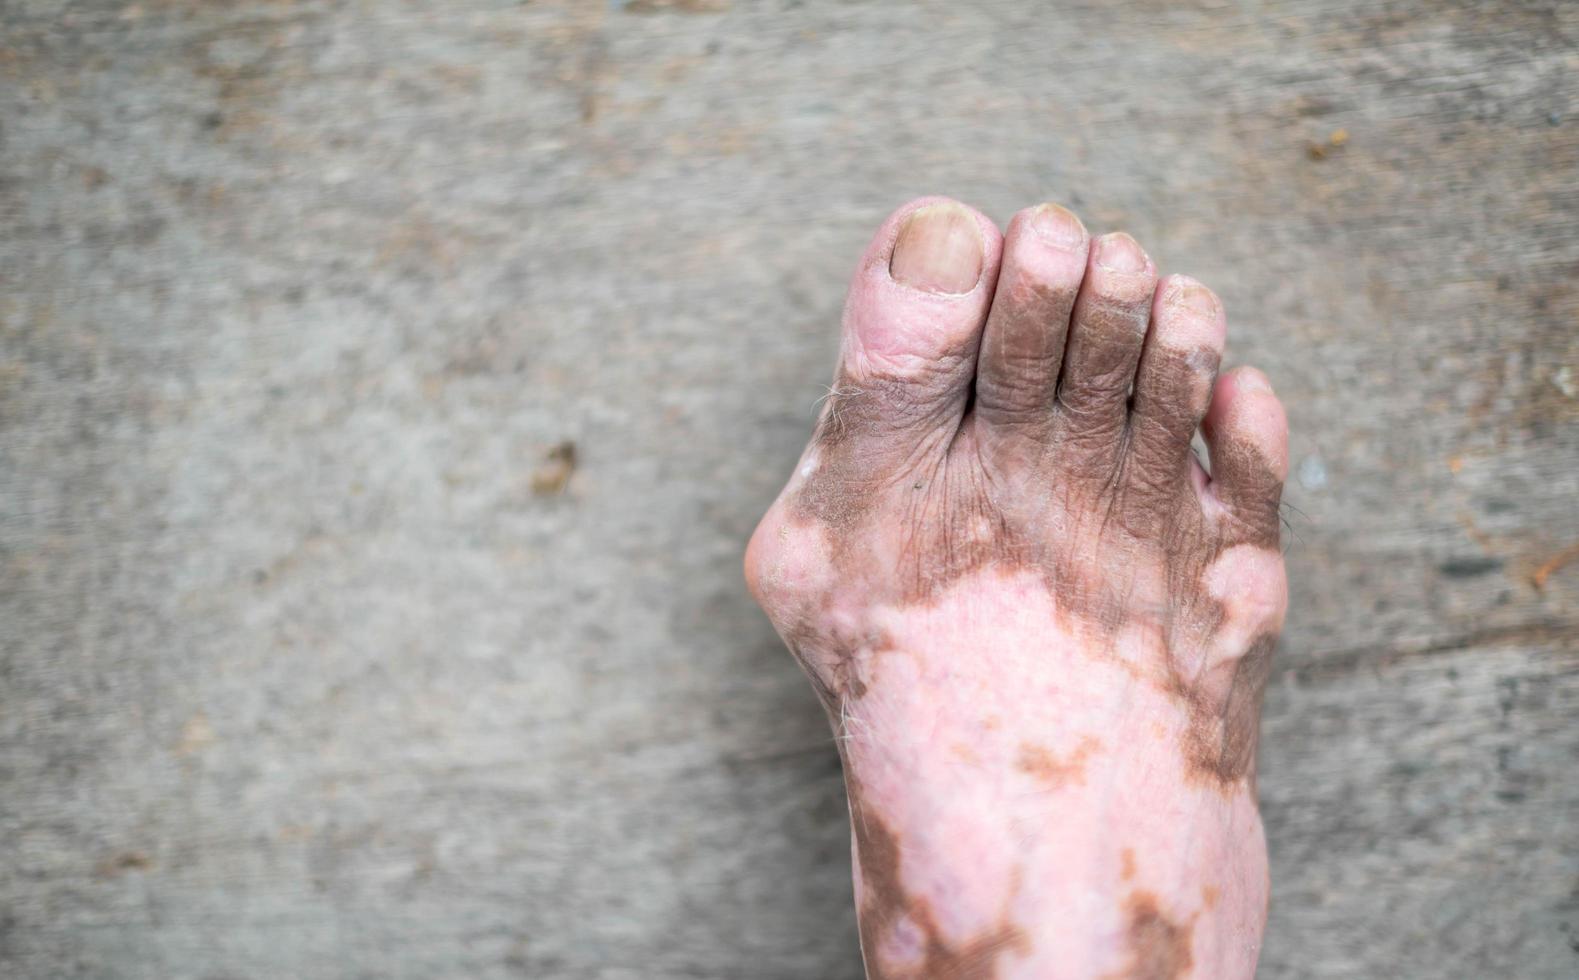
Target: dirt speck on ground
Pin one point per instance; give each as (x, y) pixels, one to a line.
(1334, 142)
(116, 865)
(554, 473)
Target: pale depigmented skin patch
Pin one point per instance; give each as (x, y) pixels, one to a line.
(900, 929)
(987, 823)
(1250, 586)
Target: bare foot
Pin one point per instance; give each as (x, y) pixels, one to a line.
(1040, 628)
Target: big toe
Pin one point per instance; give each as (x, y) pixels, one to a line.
(1247, 436)
(913, 320)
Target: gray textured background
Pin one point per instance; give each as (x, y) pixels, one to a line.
(302, 676)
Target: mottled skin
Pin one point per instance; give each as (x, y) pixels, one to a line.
(887, 903)
(1040, 628)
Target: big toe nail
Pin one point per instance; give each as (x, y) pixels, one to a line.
(939, 250)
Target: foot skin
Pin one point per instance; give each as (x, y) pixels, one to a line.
(1040, 629)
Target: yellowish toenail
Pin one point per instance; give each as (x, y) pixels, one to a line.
(1196, 298)
(1058, 226)
(939, 250)
(1120, 253)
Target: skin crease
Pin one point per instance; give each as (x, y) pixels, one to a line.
(1040, 630)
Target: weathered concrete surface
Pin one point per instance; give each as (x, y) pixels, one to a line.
(301, 677)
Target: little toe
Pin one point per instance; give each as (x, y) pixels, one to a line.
(1105, 336)
(1247, 436)
(1022, 348)
(1173, 385)
(913, 320)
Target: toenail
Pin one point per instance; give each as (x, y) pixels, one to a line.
(1194, 297)
(1120, 253)
(1253, 380)
(1058, 226)
(939, 250)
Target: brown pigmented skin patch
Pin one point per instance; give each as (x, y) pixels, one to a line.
(1160, 949)
(1053, 770)
(840, 678)
(860, 477)
(1220, 747)
(1236, 757)
(885, 904)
